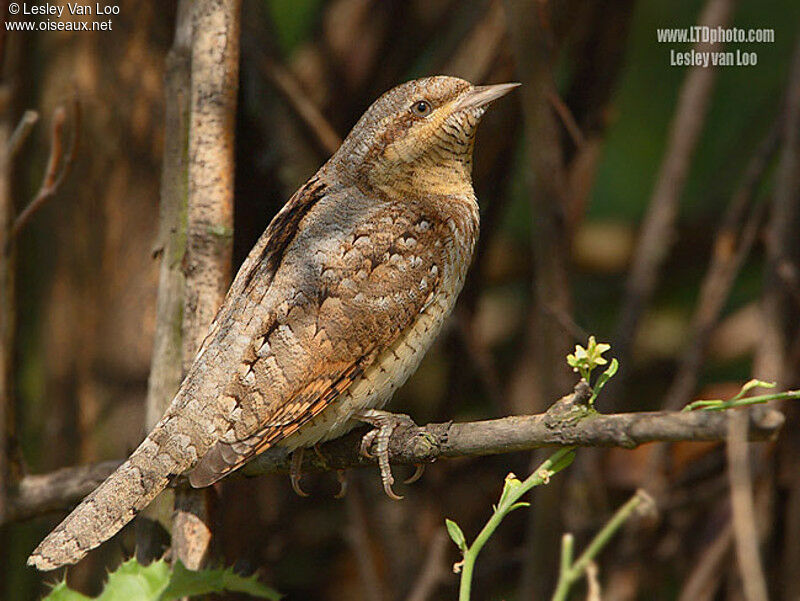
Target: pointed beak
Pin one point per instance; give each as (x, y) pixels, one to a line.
(480, 96)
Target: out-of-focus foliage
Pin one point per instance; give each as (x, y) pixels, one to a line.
(294, 20)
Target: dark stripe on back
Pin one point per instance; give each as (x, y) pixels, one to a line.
(283, 228)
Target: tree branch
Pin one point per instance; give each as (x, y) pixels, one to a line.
(569, 422)
(59, 166)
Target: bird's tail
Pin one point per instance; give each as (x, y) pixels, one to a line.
(117, 500)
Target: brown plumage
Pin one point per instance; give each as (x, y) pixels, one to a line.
(331, 312)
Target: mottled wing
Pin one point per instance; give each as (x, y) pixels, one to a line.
(355, 278)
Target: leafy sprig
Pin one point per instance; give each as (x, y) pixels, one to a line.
(585, 360)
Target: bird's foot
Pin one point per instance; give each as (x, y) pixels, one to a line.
(375, 443)
(295, 471)
(341, 476)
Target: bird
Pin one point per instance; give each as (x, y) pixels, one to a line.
(330, 313)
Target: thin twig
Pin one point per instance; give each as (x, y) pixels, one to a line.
(359, 539)
(656, 236)
(316, 122)
(743, 508)
(434, 568)
(532, 41)
(58, 166)
(21, 133)
(706, 572)
(509, 501)
(567, 118)
(569, 571)
(731, 247)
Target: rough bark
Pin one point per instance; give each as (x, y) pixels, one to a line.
(209, 222)
(166, 369)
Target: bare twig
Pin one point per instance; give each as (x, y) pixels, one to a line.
(209, 219)
(731, 247)
(434, 568)
(298, 100)
(782, 243)
(359, 539)
(474, 57)
(743, 509)
(59, 166)
(532, 43)
(593, 592)
(707, 571)
(567, 119)
(21, 133)
(566, 423)
(656, 236)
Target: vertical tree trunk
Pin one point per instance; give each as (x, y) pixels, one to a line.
(166, 368)
(209, 224)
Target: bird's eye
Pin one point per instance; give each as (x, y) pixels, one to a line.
(421, 108)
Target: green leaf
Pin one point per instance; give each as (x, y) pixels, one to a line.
(518, 505)
(509, 484)
(132, 581)
(61, 592)
(456, 534)
(189, 583)
(603, 379)
(753, 384)
(562, 462)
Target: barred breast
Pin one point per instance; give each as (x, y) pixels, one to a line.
(393, 366)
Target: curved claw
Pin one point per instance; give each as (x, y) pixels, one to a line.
(375, 444)
(295, 472)
(341, 476)
(418, 471)
(387, 488)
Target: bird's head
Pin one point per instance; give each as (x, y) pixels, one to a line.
(419, 136)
